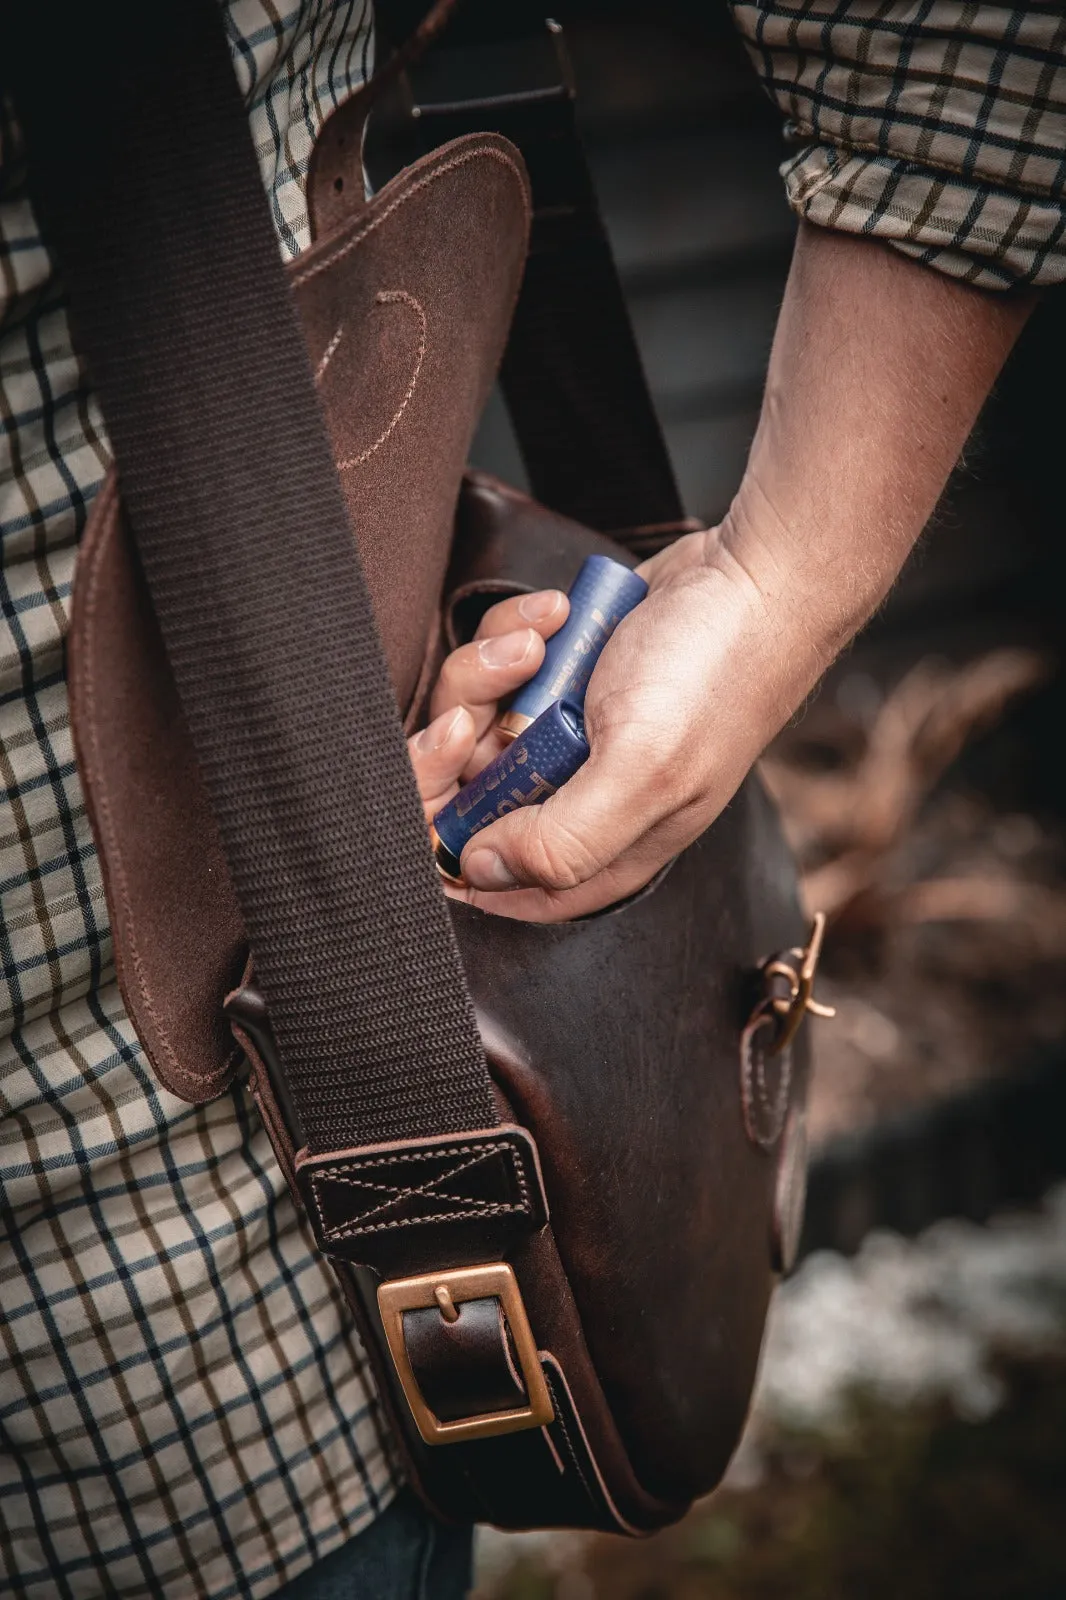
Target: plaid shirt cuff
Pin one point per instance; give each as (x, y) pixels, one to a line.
(937, 126)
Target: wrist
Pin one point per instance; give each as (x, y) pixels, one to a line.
(758, 655)
(820, 569)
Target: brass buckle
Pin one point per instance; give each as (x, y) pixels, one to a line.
(791, 1009)
(446, 1290)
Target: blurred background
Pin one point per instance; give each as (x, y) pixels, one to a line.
(909, 1432)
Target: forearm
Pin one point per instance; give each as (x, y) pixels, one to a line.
(878, 372)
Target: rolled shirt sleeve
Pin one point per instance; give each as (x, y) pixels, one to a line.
(937, 127)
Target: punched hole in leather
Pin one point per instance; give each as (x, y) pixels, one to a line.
(465, 1367)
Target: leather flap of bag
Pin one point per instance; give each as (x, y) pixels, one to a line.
(406, 310)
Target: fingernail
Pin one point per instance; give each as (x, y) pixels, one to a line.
(508, 650)
(483, 869)
(436, 736)
(539, 607)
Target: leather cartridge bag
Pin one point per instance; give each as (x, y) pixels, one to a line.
(555, 1168)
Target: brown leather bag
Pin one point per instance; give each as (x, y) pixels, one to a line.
(561, 1284)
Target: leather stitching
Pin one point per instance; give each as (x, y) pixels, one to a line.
(410, 193)
(473, 1207)
(396, 1194)
(213, 1082)
(328, 353)
(764, 1112)
(388, 297)
(571, 1452)
(470, 1206)
(330, 1234)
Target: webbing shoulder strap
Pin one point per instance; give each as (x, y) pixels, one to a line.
(144, 173)
(572, 376)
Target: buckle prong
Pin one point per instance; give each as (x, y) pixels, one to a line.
(442, 1295)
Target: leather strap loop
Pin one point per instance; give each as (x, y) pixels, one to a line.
(414, 1206)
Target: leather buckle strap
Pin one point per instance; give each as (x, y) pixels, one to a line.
(447, 1292)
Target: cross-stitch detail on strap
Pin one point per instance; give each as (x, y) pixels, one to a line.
(483, 1185)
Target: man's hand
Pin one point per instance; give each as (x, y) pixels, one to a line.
(681, 703)
(878, 371)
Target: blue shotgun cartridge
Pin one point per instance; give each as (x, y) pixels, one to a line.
(603, 592)
(532, 767)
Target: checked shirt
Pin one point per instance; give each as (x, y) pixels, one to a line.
(936, 126)
(183, 1409)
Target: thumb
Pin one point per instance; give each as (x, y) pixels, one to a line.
(572, 836)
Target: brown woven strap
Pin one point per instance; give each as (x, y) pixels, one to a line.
(143, 170)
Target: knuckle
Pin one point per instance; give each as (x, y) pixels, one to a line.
(456, 680)
(455, 665)
(671, 789)
(555, 857)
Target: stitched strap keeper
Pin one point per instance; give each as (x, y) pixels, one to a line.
(404, 1207)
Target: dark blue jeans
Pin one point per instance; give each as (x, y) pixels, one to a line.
(404, 1555)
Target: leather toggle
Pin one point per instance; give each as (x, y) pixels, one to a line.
(399, 1207)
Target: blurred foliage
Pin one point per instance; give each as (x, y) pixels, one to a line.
(921, 1504)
